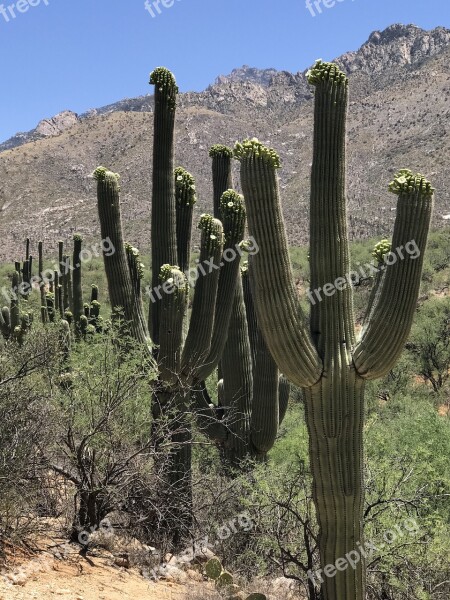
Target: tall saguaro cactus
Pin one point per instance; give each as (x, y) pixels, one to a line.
(163, 196)
(325, 358)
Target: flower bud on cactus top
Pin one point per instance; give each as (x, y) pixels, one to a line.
(133, 256)
(184, 187)
(231, 202)
(325, 71)
(407, 182)
(233, 215)
(212, 236)
(220, 150)
(102, 173)
(172, 274)
(254, 149)
(77, 238)
(381, 249)
(164, 80)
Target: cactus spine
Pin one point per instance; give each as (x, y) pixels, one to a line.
(327, 360)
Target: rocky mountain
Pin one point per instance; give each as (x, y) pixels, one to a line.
(398, 116)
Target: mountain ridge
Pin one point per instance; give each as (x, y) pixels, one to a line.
(398, 117)
(418, 44)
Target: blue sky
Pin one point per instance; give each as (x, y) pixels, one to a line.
(81, 54)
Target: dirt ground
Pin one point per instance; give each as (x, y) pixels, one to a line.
(73, 577)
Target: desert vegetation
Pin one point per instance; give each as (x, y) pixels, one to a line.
(222, 408)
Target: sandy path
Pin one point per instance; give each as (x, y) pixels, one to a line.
(74, 578)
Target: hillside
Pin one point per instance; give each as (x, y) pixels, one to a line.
(400, 89)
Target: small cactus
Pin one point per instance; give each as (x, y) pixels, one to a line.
(213, 568)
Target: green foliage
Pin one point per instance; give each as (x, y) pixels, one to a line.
(430, 342)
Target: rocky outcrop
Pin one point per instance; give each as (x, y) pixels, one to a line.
(396, 46)
(57, 124)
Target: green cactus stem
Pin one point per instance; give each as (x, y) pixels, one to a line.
(267, 412)
(327, 361)
(65, 343)
(199, 337)
(94, 293)
(136, 270)
(393, 310)
(221, 173)
(213, 568)
(122, 290)
(233, 218)
(77, 290)
(173, 310)
(237, 383)
(260, 163)
(163, 228)
(58, 293)
(41, 284)
(50, 304)
(186, 198)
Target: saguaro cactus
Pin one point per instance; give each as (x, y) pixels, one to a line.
(77, 289)
(180, 364)
(14, 323)
(163, 197)
(253, 397)
(326, 359)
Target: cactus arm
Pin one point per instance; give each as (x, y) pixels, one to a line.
(198, 340)
(379, 253)
(284, 392)
(250, 311)
(76, 280)
(163, 228)
(279, 313)
(389, 323)
(136, 270)
(265, 407)
(5, 322)
(116, 264)
(233, 218)
(15, 301)
(62, 277)
(41, 283)
(265, 413)
(58, 293)
(185, 200)
(94, 293)
(221, 174)
(69, 286)
(332, 318)
(60, 301)
(173, 309)
(50, 303)
(237, 372)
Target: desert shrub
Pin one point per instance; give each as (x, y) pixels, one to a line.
(25, 390)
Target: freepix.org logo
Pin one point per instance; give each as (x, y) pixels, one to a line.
(154, 7)
(13, 10)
